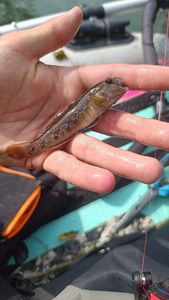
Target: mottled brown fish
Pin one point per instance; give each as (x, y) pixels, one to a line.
(82, 113)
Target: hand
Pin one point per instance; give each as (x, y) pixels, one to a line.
(32, 92)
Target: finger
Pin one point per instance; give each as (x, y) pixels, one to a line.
(118, 161)
(142, 77)
(71, 170)
(147, 131)
(53, 34)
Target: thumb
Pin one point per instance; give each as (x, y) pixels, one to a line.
(53, 34)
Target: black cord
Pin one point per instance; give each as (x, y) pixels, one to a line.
(149, 16)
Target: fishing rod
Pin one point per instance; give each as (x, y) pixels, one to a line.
(105, 10)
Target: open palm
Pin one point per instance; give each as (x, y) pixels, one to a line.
(32, 93)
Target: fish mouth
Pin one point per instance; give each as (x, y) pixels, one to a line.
(118, 83)
(121, 92)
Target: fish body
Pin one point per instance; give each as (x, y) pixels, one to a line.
(81, 114)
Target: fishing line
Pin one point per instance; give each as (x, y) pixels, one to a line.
(147, 294)
(159, 118)
(164, 63)
(144, 251)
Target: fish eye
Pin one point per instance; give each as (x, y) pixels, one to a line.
(109, 80)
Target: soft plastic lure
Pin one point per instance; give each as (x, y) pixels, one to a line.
(82, 113)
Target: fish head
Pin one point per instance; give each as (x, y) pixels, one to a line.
(109, 92)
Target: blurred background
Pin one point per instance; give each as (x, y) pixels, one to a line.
(18, 10)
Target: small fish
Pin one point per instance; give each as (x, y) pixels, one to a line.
(81, 114)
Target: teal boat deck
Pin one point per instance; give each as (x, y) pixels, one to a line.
(96, 213)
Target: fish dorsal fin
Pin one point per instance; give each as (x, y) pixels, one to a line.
(51, 123)
(56, 118)
(62, 113)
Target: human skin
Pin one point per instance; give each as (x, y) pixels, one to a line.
(32, 92)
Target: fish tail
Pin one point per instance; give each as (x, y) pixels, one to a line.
(18, 151)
